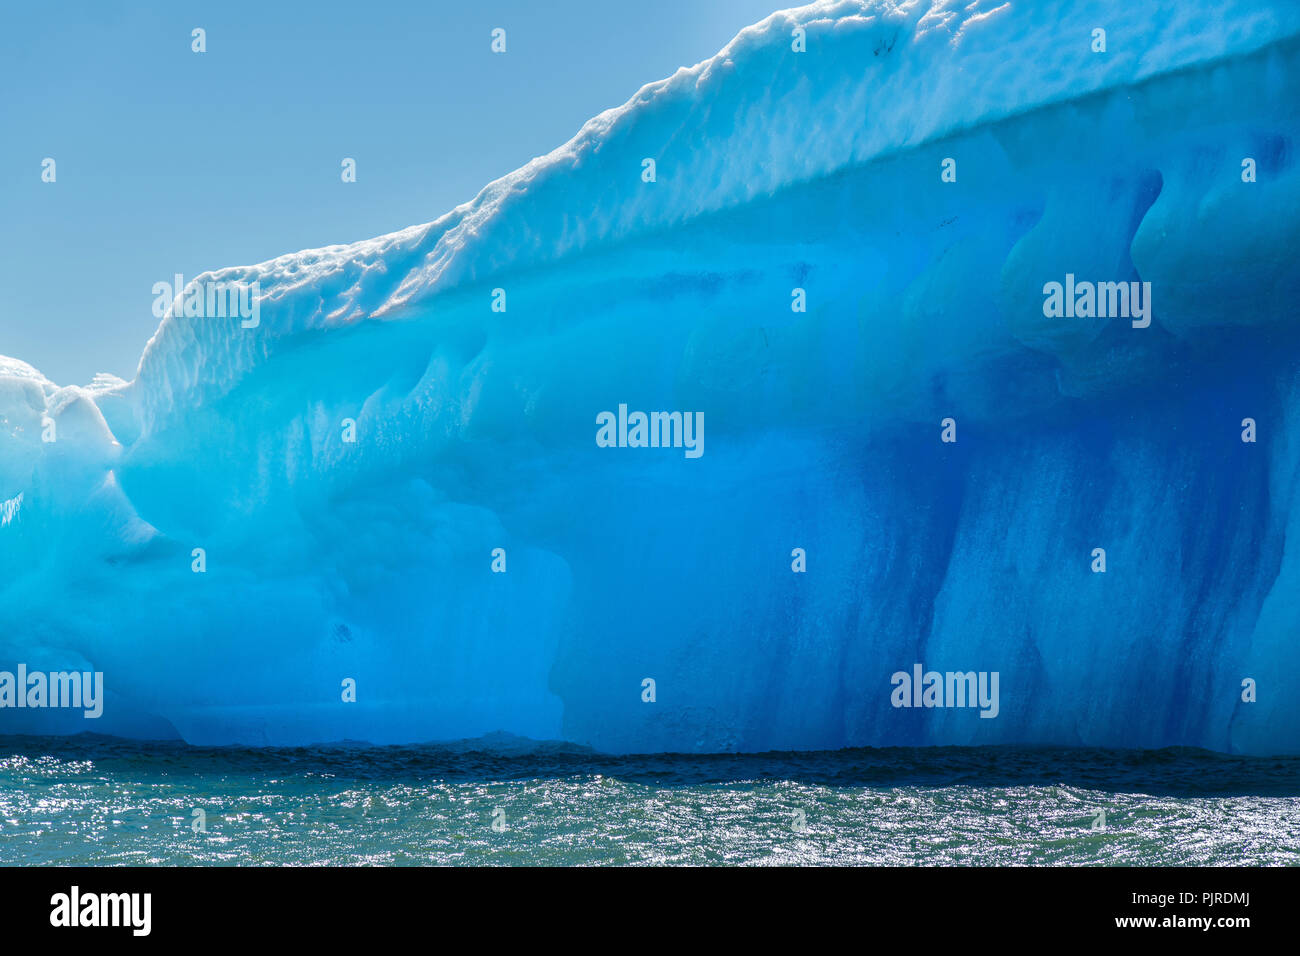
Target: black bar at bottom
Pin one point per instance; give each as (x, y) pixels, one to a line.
(332, 905)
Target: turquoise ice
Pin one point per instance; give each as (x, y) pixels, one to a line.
(803, 166)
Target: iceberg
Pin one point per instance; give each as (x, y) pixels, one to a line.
(839, 252)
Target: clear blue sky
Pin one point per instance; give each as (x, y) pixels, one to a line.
(171, 161)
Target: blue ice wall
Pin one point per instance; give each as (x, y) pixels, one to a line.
(372, 560)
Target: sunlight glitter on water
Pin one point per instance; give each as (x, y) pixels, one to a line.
(113, 803)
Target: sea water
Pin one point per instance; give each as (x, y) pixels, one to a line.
(105, 801)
